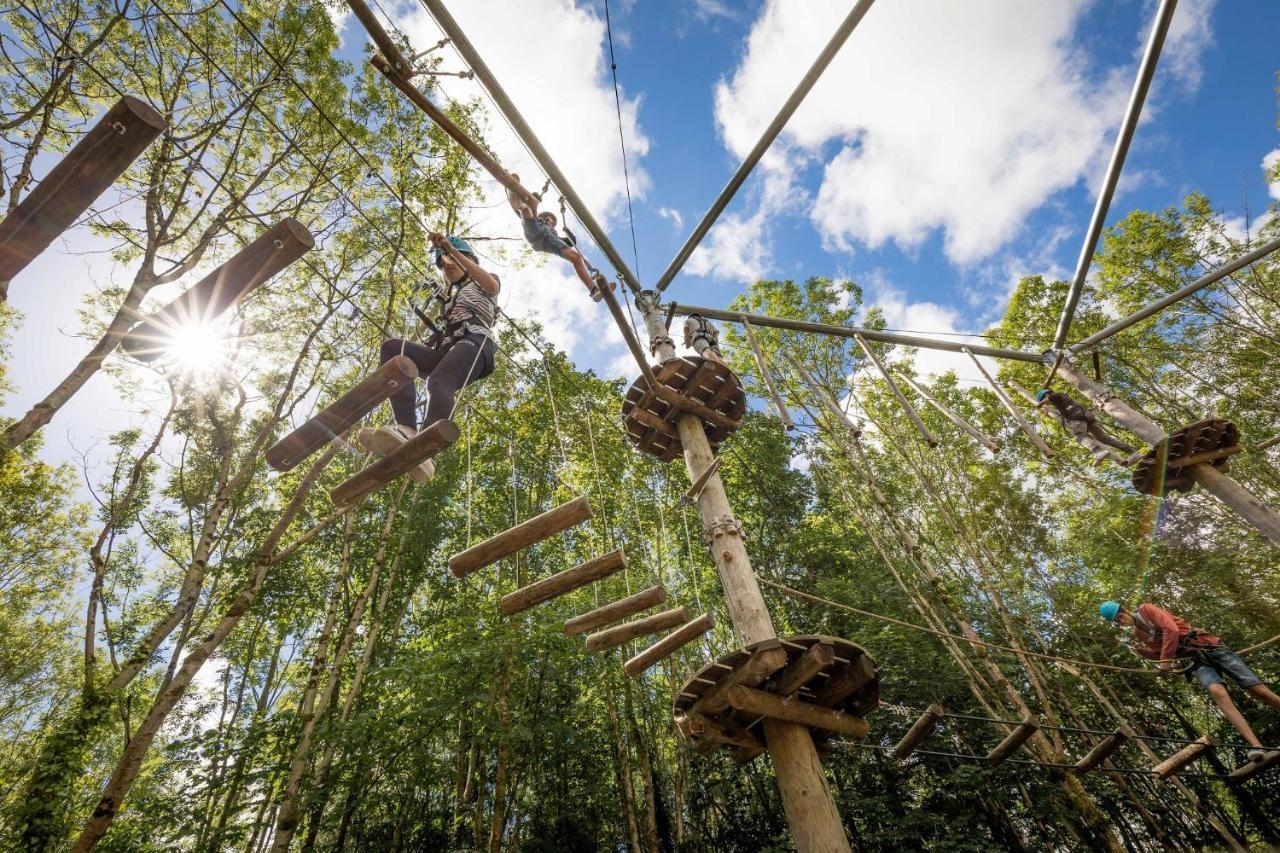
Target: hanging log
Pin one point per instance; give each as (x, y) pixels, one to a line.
(1010, 408)
(341, 414)
(764, 660)
(796, 674)
(975, 433)
(792, 710)
(1252, 768)
(919, 731)
(695, 489)
(1267, 443)
(858, 673)
(84, 173)
(767, 376)
(1105, 748)
(615, 610)
(521, 536)
(563, 582)
(611, 637)
(1007, 747)
(273, 250)
(425, 445)
(713, 733)
(1183, 757)
(667, 645)
(929, 437)
(822, 395)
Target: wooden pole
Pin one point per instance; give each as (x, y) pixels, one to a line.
(806, 798)
(1105, 748)
(792, 710)
(83, 174)
(616, 610)
(272, 251)
(563, 582)
(1266, 443)
(1010, 408)
(1231, 493)
(955, 417)
(625, 633)
(521, 536)
(422, 446)
(929, 437)
(1183, 757)
(767, 376)
(1251, 768)
(696, 725)
(919, 732)
(1007, 747)
(822, 395)
(797, 673)
(667, 645)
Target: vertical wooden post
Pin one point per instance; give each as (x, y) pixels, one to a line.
(94, 164)
(1231, 493)
(806, 798)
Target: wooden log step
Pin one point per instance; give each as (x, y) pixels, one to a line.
(1252, 768)
(844, 683)
(1183, 757)
(667, 645)
(714, 734)
(796, 674)
(1105, 748)
(792, 710)
(521, 536)
(1007, 747)
(764, 661)
(615, 610)
(1204, 456)
(341, 414)
(919, 731)
(563, 582)
(611, 637)
(425, 445)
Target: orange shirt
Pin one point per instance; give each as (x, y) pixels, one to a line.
(1156, 633)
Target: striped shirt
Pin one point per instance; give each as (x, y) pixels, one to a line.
(470, 304)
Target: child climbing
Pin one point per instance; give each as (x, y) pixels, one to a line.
(1083, 424)
(1160, 636)
(540, 231)
(458, 354)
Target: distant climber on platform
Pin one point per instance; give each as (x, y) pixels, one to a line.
(540, 232)
(1083, 424)
(1160, 636)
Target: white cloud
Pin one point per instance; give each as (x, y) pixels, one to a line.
(677, 219)
(954, 117)
(738, 246)
(1190, 36)
(1271, 172)
(706, 10)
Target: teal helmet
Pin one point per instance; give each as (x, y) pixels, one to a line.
(1041, 394)
(461, 245)
(1109, 610)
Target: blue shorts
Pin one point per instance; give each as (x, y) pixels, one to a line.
(543, 237)
(1224, 662)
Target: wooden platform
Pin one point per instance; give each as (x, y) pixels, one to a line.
(686, 386)
(820, 674)
(1210, 442)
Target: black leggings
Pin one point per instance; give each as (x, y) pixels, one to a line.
(446, 373)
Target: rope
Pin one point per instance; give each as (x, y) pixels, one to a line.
(626, 174)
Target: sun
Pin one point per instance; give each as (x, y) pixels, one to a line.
(199, 350)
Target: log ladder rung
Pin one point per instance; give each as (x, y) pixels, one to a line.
(1106, 748)
(1007, 747)
(416, 450)
(919, 731)
(611, 637)
(521, 536)
(615, 610)
(1252, 768)
(1180, 759)
(563, 582)
(667, 646)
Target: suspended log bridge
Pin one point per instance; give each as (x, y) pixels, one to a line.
(919, 731)
(563, 582)
(615, 610)
(1106, 748)
(827, 401)
(825, 683)
(696, 386)
(273, 250)
(425, 445)
(667, 646)
(953, 416)
(629, 631)
(767, 376)
(341, 414)
(1164, 468)
(84, 173)
(1011, 744)
(524, 534)
(1017, 416)
(1252, 768)
(1180, 759)
(929, 438)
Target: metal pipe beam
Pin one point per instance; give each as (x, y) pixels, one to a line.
(771, 132)
(1147, 69)
(853, 331)
(526, 134)
(1176, 296)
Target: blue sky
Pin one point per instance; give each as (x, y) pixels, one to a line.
(950, 149)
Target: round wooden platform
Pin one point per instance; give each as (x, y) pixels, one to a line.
(693, 385)
(841, 677)
(1164, 468)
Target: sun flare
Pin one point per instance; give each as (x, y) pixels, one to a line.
(199, 349)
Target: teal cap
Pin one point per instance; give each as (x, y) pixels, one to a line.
(1041, 394)
(1109, 610)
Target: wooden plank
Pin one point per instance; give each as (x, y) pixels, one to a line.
(563, 582)
(521, 536)
(425, 445)
(845, 682)
(755, 669)
(792, 710)
(616, 610)
(611, 637)
(85, 172)
(1252, 768)
(1104, 749)
(272, 251)
(699, 484)
(1183, 757)
(653, 422)
(796, 674)
(1204, 456)
(1016, 738)
(341, 414)
(667, 645)
(919, 731)
(692, 406)
(822, 395)
(697, 726)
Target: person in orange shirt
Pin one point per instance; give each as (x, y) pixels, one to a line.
(1160, 636)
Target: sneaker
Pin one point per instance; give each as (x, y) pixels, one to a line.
(517, 201)
(1257, 754)
(386, 440)
(597, 292)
